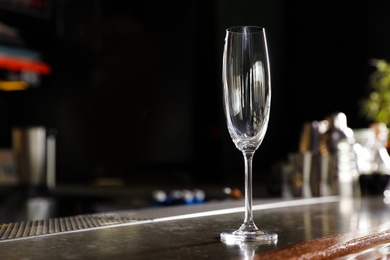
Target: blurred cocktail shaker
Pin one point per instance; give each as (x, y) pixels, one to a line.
(339, 169)
(29, 147)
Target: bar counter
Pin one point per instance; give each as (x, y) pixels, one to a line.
(192, 232)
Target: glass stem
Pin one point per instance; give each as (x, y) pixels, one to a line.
(249, 224)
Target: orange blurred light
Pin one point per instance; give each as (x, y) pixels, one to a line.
(13, 85)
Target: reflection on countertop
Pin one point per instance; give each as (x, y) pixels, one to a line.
(28, 203)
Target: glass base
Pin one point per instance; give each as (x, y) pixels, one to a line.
(239, 236)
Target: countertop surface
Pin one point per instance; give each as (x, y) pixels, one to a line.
(192, 232)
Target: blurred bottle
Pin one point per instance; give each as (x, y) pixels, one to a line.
(376, 179)
(301, 175)
(314, 131)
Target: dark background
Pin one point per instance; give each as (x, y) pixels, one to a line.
(135, 91)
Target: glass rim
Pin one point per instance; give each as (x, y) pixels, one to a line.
(245, 29)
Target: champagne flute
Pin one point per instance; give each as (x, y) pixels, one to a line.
(246, 101)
